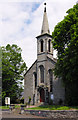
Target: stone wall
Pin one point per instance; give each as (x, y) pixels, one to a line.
(29, 84)
(58, 88)
(71, 114)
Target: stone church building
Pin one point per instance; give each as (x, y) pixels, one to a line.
(39, 81)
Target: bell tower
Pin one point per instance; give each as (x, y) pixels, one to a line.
(44, 50)
(44, 44)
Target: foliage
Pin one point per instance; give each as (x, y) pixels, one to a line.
(0, 76)
(13, 68)
(22, 100)
(65, 41)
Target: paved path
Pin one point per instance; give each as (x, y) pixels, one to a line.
(7, 115)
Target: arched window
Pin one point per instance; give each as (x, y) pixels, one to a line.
(49, 45)
(41, 74)
(41, 45)
(51, 80)
(35, 79)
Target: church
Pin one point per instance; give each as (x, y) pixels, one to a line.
(40, 84)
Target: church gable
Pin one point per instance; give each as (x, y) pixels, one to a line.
(30, 69)
(29, 81)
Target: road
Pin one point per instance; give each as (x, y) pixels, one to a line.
(7, 115)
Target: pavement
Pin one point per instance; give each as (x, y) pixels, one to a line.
(9, 115)
(13, 115)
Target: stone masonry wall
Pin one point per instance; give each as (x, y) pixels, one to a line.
(28, 84)
(58, 88)
(59, 114)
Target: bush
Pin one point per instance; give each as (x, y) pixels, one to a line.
(22, 100)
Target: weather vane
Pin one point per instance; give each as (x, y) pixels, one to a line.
(45, 7)
(44, 3)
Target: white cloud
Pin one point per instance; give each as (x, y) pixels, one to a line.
(4, 1)
(12, 20)
(19, 25)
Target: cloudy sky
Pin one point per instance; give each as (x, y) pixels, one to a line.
(21, 21)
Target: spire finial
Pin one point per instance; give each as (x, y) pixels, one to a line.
(45, 25)
(45, 7)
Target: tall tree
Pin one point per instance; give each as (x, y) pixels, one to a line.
(0, 76)
(13, 68)
(65, 41)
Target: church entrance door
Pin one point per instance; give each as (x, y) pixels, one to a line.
(42, 95)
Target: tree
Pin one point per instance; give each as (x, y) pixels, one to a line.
(13, 68)
(0, 76)
(65, 41)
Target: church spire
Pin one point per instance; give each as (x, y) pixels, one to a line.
(45, 25)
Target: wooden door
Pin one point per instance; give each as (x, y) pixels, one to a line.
(42, 95)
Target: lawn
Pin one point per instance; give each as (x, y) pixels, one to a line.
(4, 107)
(7, 107)
(54, 107)
(46, 107)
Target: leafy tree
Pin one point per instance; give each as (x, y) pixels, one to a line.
(0, 75)
(65, 41)
(13, 68)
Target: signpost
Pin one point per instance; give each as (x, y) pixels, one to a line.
(7, 101)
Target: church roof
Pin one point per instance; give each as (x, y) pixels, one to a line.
(43, 35)
(45, 25)
(52, 59)
(31, 67)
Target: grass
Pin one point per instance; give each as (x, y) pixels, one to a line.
(53, 107)
(46, 107)
(4, 107)
(7, 107)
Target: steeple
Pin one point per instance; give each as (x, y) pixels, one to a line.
(45, 25)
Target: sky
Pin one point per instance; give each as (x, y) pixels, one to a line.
(21, 22)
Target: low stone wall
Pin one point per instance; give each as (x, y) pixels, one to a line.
(54, 113)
